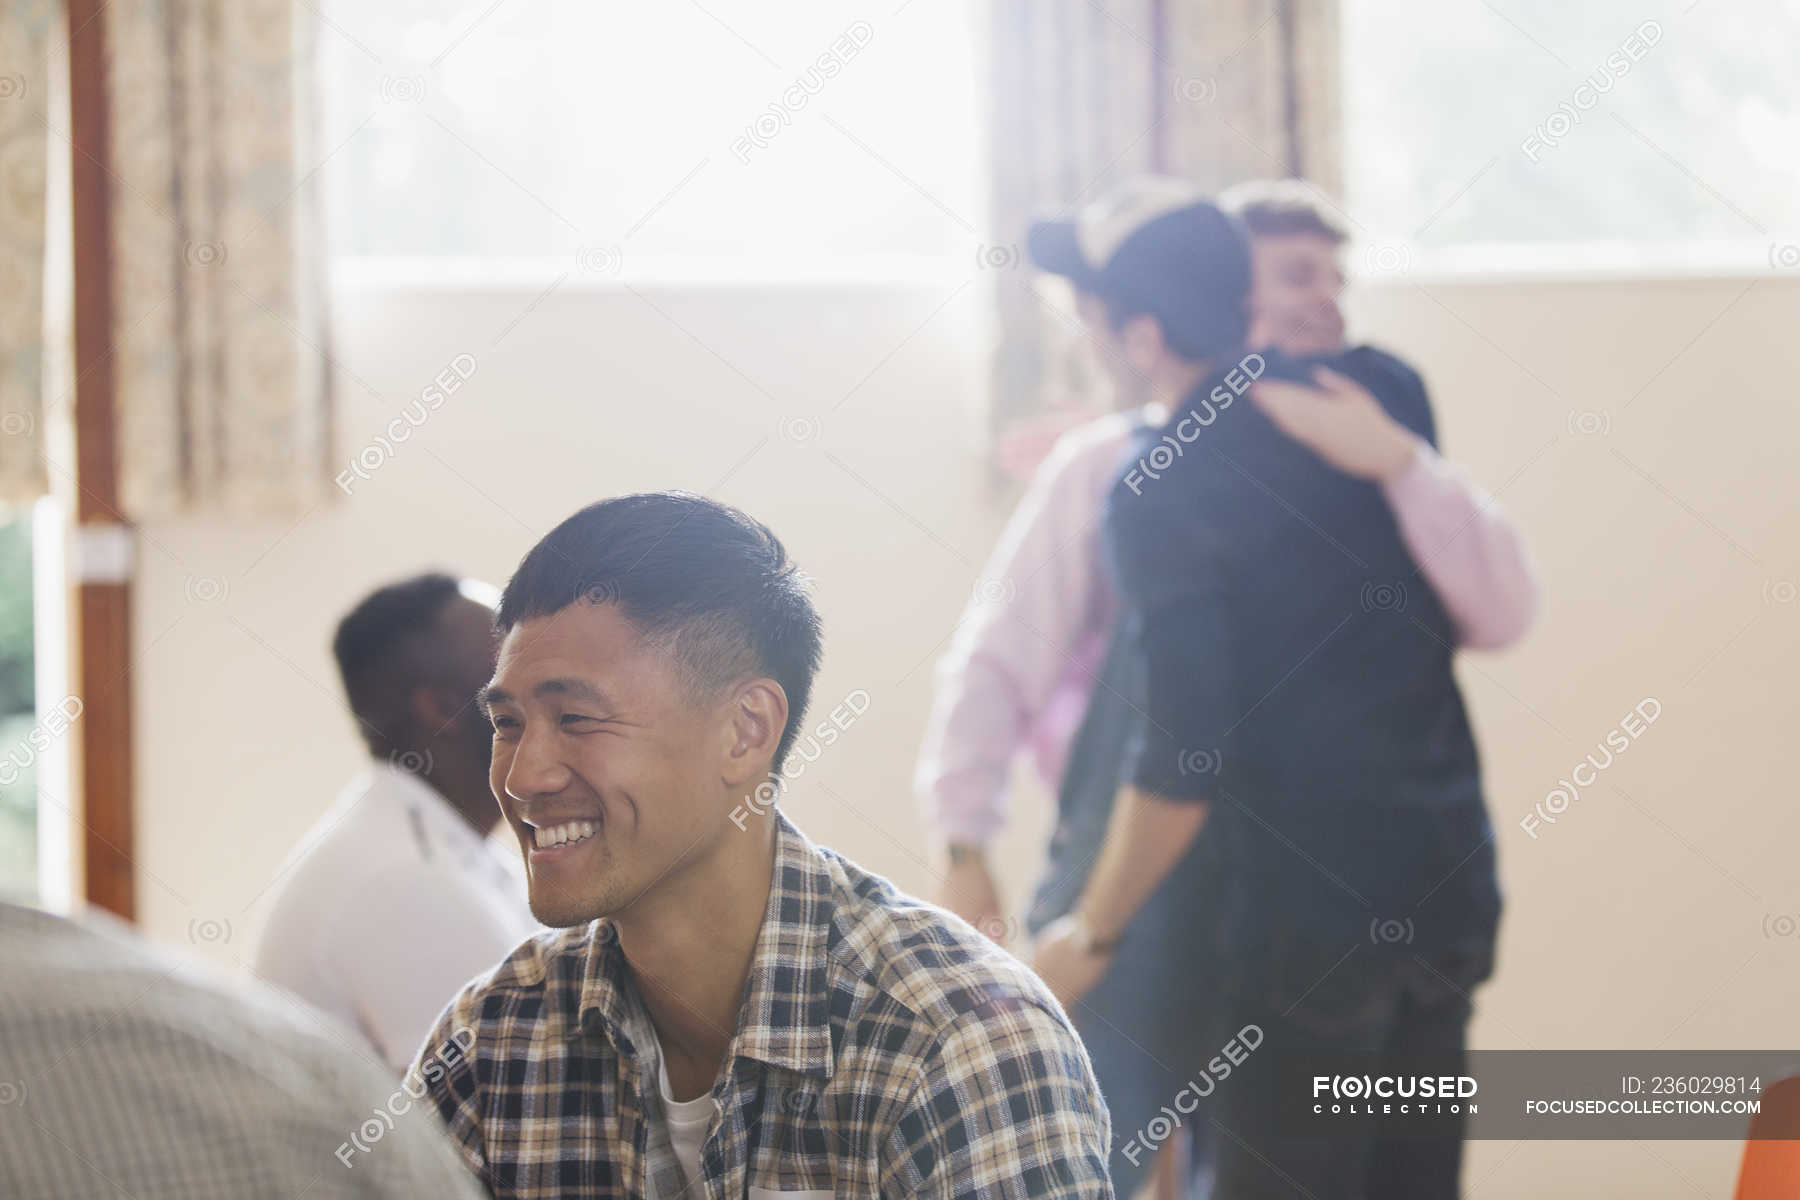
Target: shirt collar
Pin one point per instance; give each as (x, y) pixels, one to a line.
(442, 822)
(785, 1019)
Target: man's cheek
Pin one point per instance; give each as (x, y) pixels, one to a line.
(499, 763)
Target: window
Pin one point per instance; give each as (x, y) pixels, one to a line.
(631, 139)
(1606, 133)
(18, 712)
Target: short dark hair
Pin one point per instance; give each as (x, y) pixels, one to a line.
(1182, 338)
(712, 586)
(1283, 207)
(382, 654)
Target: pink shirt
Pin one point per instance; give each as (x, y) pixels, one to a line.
(1019, 673)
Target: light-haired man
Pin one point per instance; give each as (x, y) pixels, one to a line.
(1021, 673)
(1288, 688)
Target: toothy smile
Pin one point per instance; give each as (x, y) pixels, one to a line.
(550, 836)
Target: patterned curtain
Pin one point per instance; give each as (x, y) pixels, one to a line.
(221, 357)
(1085, 92)
(25, 29)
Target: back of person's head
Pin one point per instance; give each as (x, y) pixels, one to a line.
(385, 648)
(1160, 247)
(126, 1071)
(710, 587)
(1283, 208)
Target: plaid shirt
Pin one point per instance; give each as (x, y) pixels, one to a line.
(884, 1048)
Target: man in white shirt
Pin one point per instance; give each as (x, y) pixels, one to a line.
(396, 898)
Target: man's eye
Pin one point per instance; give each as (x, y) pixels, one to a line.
(503, 723)
(571, 719)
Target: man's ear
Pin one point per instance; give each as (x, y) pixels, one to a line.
(437, 710)
(755, 722)
(432, 711)
(1141, 339)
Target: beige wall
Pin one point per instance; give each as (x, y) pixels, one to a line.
(847, 417)
(1667, 544)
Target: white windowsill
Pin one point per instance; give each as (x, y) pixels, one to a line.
(1378, 264)
(608, 273)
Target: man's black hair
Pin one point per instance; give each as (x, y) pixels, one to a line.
(383, 652)
(1203, 315)
(713, 587)
(1181, 338)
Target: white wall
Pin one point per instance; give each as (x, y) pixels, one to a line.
(1638, 920)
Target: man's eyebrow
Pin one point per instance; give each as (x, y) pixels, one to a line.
(580, 689)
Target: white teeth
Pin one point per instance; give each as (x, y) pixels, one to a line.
(559, 835)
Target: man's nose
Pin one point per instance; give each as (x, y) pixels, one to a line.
(536, 768)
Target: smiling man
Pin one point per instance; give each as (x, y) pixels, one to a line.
(727, 1009)
(1296, 247)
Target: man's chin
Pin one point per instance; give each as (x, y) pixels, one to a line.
(559, 910)
(557, 918)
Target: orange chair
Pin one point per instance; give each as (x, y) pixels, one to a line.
(1771, 1168)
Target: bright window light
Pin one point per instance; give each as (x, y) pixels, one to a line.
(633, 139)
(1606, 133)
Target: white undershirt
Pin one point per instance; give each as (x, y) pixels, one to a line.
(688, 1121)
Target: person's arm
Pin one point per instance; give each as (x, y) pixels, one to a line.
(1014, 645)
(1170, 585)
(1146, 836)
(1467, 548)
(1007, 1107)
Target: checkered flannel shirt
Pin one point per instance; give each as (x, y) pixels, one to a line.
(883, 1049)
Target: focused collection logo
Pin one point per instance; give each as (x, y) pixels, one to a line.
(1391, 1095)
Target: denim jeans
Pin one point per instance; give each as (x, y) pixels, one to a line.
(1147, 1024)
